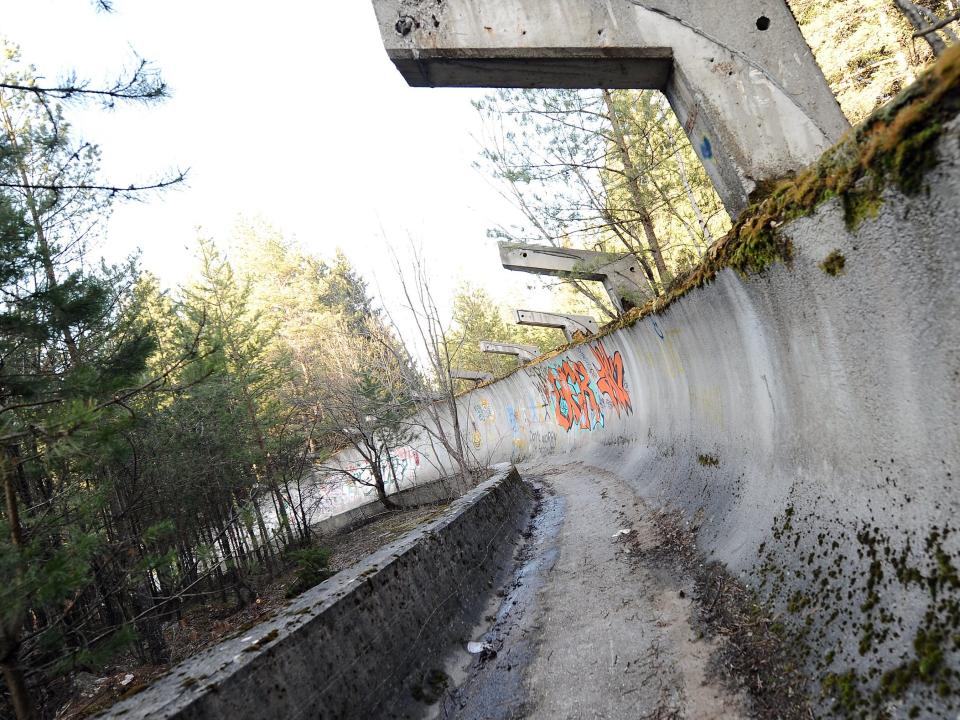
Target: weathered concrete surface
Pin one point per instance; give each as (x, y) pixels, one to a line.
(351, 646)
(588, 632)
(568, 323)
(425, 494)
(523, 353)
(474, 375)
(621, 275)
(739, 74)
(806, 423)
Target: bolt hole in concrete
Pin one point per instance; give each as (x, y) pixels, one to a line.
(763, 22)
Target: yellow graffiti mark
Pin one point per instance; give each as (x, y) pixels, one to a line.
(477, 440)
(520, 446)
(668, 358)
(708, 402)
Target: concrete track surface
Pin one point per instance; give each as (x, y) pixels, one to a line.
(588, 629)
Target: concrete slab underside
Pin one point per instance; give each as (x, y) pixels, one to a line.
(596, 634)
(739, 75)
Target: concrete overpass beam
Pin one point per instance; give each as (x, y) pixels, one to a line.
(738, 73)
(471, 375)
(523, 353)
(622, 276)
(568, 323)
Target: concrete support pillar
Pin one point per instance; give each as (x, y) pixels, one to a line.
(738, 73)
(523, 353)
(621, 275)
(568, 323)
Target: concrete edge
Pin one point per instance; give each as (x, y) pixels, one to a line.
(384, 611)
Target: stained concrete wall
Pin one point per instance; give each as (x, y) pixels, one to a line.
(806, 424)
(362, 637)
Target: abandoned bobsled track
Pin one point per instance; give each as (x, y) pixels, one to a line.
(798, 418)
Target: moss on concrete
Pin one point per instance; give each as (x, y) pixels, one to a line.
(708, 460)
(897, 658)
(833, 263)
(895, 146)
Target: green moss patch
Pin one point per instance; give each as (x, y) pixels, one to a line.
(833, 263)
(894, 659)
(708, 460)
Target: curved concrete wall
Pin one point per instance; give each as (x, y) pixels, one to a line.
(805, 423)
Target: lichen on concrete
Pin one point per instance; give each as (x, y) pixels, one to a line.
(897, 659)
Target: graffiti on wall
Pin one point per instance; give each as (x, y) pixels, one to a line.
(402, 459)
(578, 393)
(484, 411)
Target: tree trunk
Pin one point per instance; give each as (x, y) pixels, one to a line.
(688, 190)
(633, 187)
(381, 488)
(293, 508)
(921, 19)
(264, 534)
(393, 471)
(10, 633)
(148, 624)
(16, 684)
(46, 255)
(282, 516)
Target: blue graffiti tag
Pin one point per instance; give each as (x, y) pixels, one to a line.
(706, 149)
(512, 419)
(656, 328)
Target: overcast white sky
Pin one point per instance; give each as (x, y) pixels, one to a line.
(286, 109)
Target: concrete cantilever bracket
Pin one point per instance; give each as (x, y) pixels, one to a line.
(473, 375)
(621, 275)
(524, 353)
(568, 323)
(738, 73)
(428, 396)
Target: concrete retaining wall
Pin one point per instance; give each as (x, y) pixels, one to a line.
(346, 646)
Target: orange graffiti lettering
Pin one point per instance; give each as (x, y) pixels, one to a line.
(575, 403)
(610, 378)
